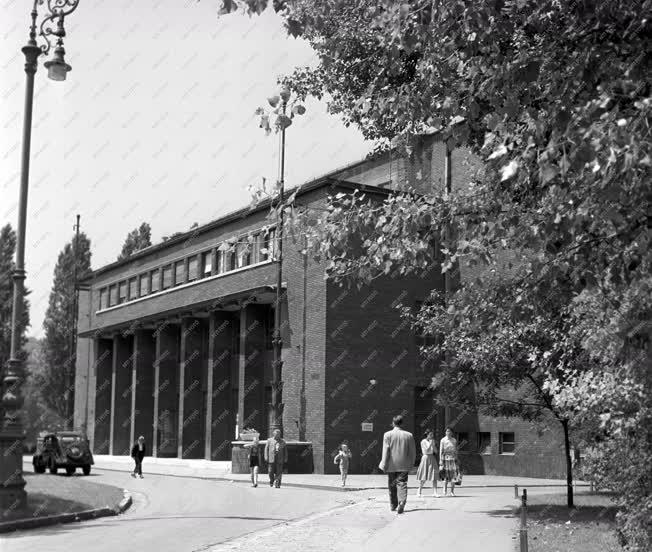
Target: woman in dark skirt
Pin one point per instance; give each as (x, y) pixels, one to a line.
(254, 460)
(448, 464)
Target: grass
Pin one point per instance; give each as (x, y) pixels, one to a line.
(590, 527)
(59, 494)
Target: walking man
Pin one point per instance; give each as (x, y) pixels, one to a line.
(138, 453)
(399, 453)
(276, 455)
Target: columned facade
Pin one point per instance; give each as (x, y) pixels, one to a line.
(184, 383)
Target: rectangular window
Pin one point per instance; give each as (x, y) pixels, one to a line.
(167, 276)
(144, 284)
(242, 253)
(156, 280)
(104, 295)
(229, 261)
(179, 273)
(256, 245)
(484, 442)
(507, 443)
(122, 292)
(133, 289)
(192, 268)
(206, 264)
(270, 244)
(219, 262)
(113, 295)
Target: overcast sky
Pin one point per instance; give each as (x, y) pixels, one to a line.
(155, 123)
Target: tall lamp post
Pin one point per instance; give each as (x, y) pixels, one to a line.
(12, 484)
(279, 103)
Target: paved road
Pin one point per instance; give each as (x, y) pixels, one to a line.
(178, 515)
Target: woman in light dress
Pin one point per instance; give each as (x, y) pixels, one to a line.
(428, 468)
(448, 460)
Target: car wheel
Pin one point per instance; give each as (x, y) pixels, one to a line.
(38, 468)
(86, 470)
(70, 471)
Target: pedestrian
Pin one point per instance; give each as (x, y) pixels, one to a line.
(138, 453)
(428, 469)
(276, 455)
(450, 471)
(343, 457)
(254, 460)
(398, 458)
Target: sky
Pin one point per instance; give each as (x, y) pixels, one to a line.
(155, 123)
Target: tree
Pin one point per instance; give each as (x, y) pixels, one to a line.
(7, 265)
(554, 98)
(57, 381)
(136, 240)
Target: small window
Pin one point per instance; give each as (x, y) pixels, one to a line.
(229, 261)
(122, 292)
(507, 443)
(179, 273)
(155, 280)
(167, 276)
(113, 295)
(484, 442)
(144, 284)
(192, 268)
(133, 289)
(242, 253)
(104, 295)
(462, 440)
(270, 244)
(219, 262)
(206, 264)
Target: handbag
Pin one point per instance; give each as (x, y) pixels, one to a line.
(458, 479)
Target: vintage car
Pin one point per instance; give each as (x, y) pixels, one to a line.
(63, 449)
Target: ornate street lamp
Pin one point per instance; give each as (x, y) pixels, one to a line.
(279, 104)
(12, 484)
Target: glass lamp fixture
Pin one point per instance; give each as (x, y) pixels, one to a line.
(57, 68)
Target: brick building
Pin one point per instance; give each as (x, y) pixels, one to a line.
(175, 343)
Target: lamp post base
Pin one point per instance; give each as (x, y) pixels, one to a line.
(12, 484)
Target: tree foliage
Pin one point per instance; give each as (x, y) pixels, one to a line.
(7, 265)
(554, 98)
(57, 380)
(137, 239)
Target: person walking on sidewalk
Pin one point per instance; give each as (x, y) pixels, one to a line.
(448, 458)
(344, 458)
(254, 460)
(276, 455)
(398, 457)
(428, 469)
(138, 453)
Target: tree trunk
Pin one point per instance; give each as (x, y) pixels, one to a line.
(569, 466)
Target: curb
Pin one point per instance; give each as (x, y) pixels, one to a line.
(36, 522)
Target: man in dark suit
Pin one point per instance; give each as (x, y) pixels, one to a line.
(399, 452)
(276, 455)
(138, 453)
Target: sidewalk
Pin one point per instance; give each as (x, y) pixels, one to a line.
(476, 519)
(205, 469)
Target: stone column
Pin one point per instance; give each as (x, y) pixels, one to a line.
(242, 363)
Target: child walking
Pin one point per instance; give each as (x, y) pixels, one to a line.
(343, 457)
(254, 460)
